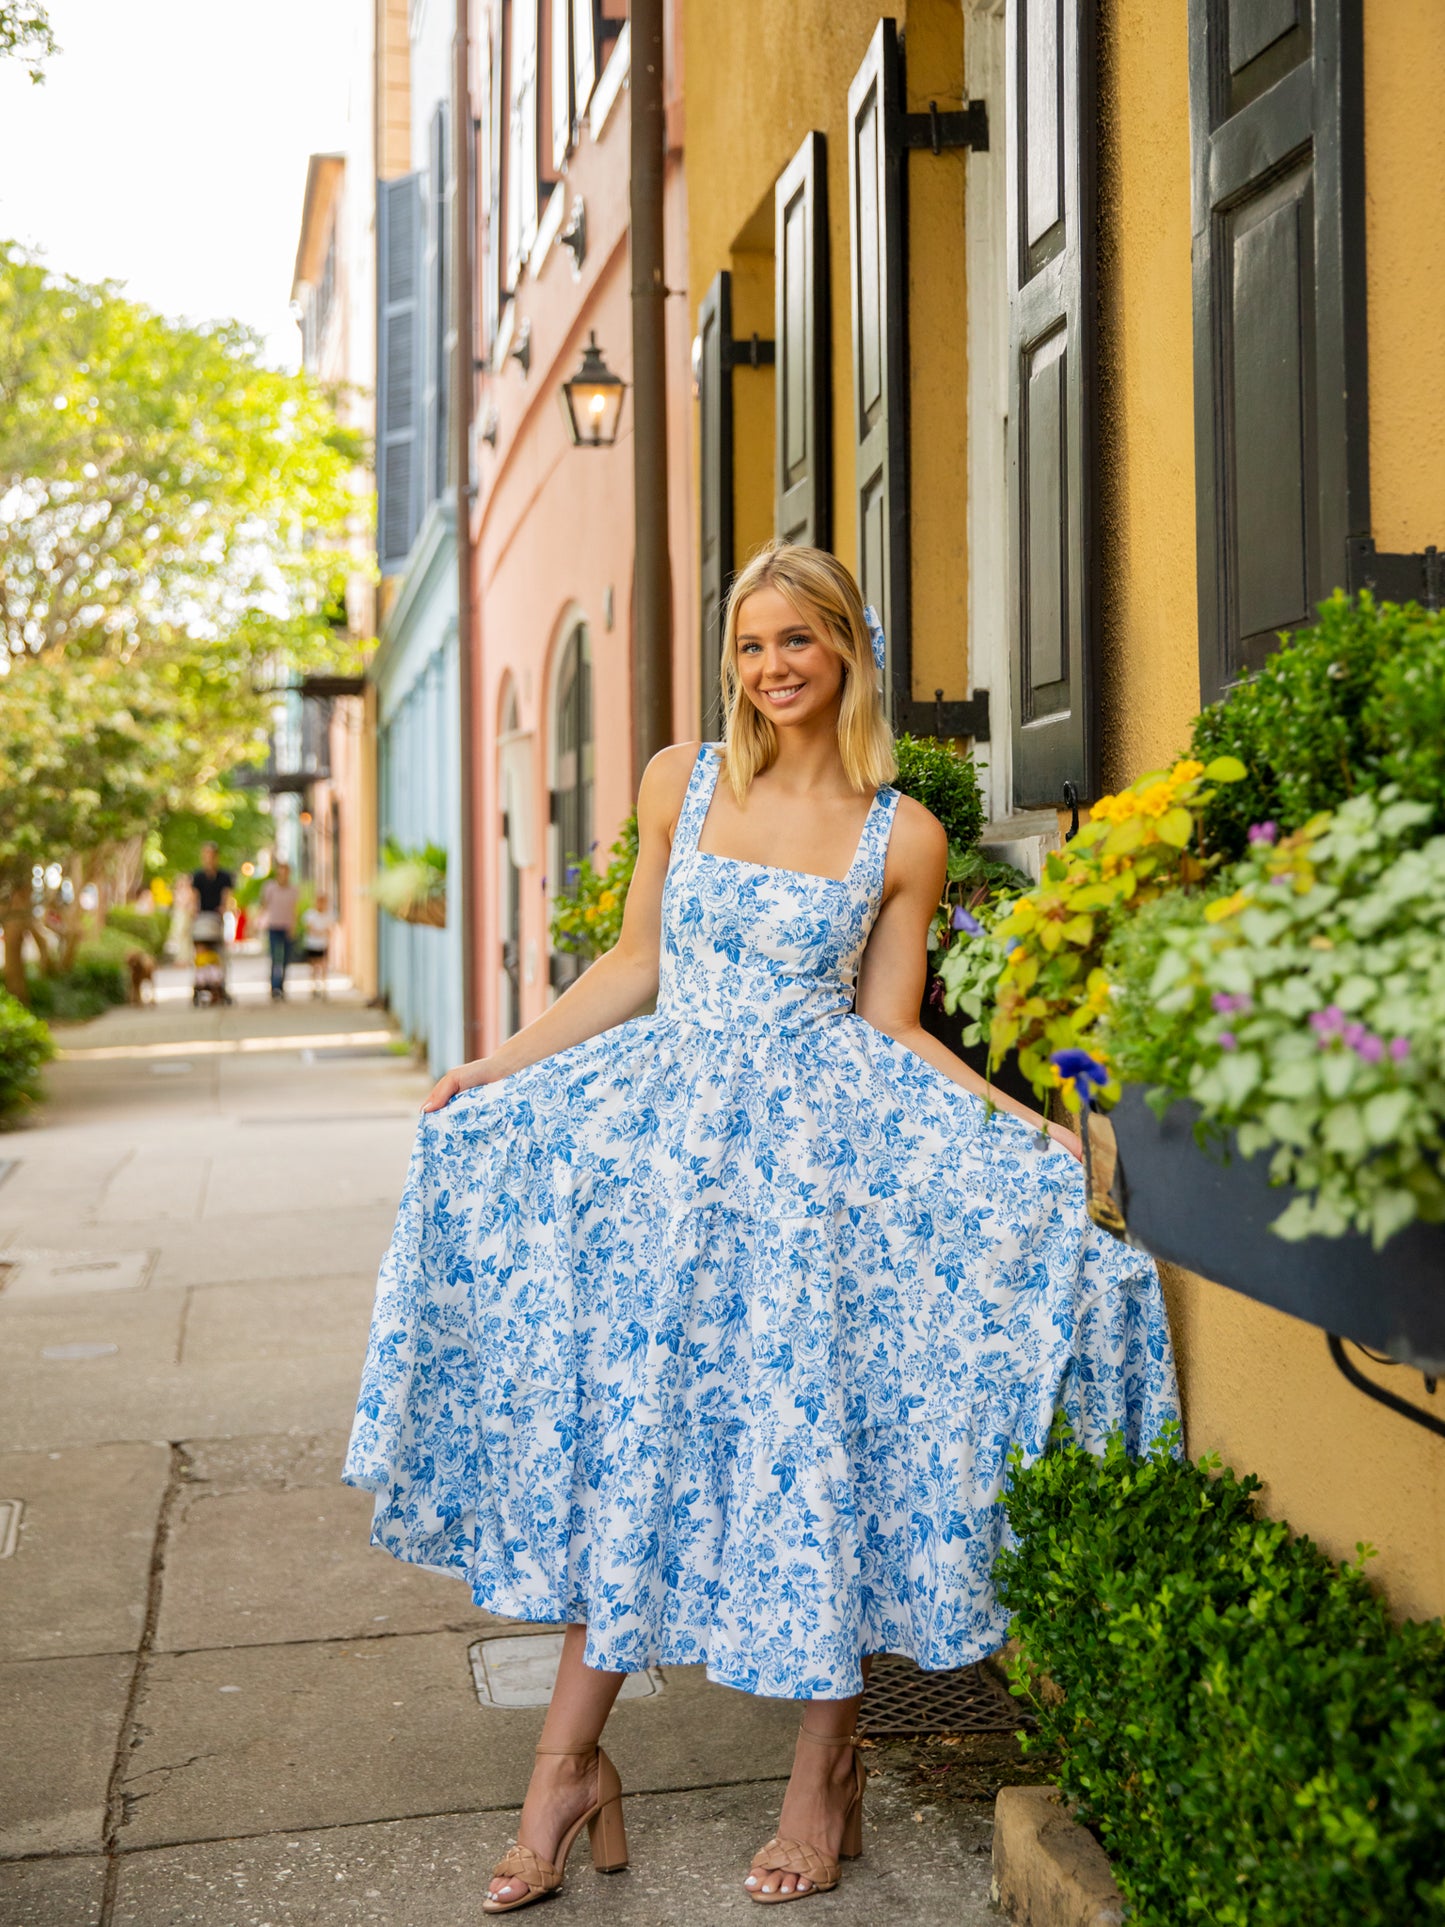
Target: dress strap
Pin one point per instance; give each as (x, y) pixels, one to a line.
(872, 856)
(700, 786)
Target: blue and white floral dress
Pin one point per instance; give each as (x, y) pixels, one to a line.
(716, 1330)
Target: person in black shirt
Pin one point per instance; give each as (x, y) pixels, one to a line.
(213, 886)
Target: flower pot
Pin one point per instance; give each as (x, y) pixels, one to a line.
(1210, 1212)
(431, 911)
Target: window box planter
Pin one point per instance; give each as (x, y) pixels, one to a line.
(431, 911)
(1212, 1216)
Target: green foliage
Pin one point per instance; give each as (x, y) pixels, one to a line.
(1255, 1742)
(141, 929)
(1303, 1007)
(587, 912)
(1356, 701)
(1033, 978)
(411, 883)
(220, 813)
(937, 776)
(25, 34)
(98, 979)
(25, 1045)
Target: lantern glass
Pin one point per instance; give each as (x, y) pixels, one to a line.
(592, 400)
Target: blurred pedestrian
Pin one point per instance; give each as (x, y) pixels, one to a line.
(213, 893)
(317, 924)
(279, 900)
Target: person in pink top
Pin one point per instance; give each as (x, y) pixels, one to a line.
(279, 900)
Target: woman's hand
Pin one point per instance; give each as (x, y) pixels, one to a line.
(465, 1077)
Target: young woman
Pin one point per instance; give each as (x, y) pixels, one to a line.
(708, 1333)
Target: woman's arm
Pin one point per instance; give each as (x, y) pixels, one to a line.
(624, 978)
(894, 971)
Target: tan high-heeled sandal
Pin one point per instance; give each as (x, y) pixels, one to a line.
(605, 1832)
(800, 1856)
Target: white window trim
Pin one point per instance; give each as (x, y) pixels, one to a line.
(611, 81)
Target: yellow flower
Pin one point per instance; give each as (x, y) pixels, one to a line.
(1226, 907)
(589, 915)
(608, 900)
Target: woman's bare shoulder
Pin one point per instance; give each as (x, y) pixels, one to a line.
(665, 781)
(917, 832)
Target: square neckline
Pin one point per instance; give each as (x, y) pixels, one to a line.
(774, 869)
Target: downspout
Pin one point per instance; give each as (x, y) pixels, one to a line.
(462, 378)
(652, 567)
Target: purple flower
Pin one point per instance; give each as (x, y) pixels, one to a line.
(1081, 1070)
(1263, 832)
(1010, 944)
(1228, 1040)
(1370, 1049)
(1355, 1035)
(1327, 1024)
(1283, 876)
(964, 920)
(1227, 1003)
(1399, 1049)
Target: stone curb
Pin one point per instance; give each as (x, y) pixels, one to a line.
(1047, 1870)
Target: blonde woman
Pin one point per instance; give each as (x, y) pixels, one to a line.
(708, 1333)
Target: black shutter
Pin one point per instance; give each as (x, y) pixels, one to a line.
(715, 476)
(803, 386)
(1051, 256)
(877, 214)
(398, 358)
(1281, 446)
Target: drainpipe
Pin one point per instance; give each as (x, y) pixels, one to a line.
(463, 242)
(652, 568)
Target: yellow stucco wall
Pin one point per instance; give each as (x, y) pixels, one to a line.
(1260, 1388)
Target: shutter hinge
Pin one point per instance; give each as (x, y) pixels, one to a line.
(1396, 578)
(958, 127)
(748, 352)
(944, 720)
(552, 806)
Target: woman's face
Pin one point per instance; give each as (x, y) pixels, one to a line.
(788, 668)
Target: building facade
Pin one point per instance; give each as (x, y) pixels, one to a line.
(416, 671)
(1096, 337)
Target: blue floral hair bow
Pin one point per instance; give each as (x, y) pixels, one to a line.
(875, 636)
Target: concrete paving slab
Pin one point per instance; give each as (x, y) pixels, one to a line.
(254, 1568)
(60, 1721)
(145, 1325)
(324, 1243)
(325, 1735)
(291, 1318)
(336, 1166)
(689, 1852)
(52, 1893)
(120, 1400)
(75, 1182)
(282, 1460)
(78, 1579)
(156, 1185)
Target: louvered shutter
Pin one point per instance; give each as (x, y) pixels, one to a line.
(802, 388)
(880, 346)
(522, 152)
(1052, 382)
(398, 358)
(561, 65)
(489, 184)
(440, 333)
(584, 53)
(715, 491)
(1281, 447)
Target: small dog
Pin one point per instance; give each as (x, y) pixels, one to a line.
(142, 974)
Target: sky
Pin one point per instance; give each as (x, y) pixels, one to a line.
(167, 148)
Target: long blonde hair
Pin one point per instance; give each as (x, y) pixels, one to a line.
(824, 594)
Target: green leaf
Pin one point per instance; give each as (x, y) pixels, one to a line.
(1344, 1130)
(1176, 826)
(1385, 1113)
(1225, 769)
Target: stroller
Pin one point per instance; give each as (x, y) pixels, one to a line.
(208, 958)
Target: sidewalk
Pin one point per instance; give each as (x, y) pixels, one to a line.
(220, 1708)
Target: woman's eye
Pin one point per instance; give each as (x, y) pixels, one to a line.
(801, 641)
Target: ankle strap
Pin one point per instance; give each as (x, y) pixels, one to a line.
(827, 1739)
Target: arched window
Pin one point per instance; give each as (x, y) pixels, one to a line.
(571, 776)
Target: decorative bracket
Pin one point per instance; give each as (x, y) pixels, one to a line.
(943, 720)
(957, 127)
(1397, 578)
(1415, 1413)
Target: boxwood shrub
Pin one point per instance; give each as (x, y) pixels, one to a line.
(1253, 1739)
(24, 1046)
(937, 776)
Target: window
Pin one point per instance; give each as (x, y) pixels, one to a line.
(572, 759)
(522, 137)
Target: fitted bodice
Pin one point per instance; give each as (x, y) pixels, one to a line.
(747, 947)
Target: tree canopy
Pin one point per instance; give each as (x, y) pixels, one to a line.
(173, 522)
(25, 34)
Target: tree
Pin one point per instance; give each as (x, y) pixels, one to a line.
(25, 35)
(172, 514)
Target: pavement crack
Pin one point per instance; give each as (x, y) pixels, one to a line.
(131, 1729)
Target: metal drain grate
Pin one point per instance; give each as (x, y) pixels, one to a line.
(905, 1703)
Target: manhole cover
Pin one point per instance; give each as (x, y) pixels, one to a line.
(905, 1703)
(52, 1274)
(10, 1511)
(522, 1671)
